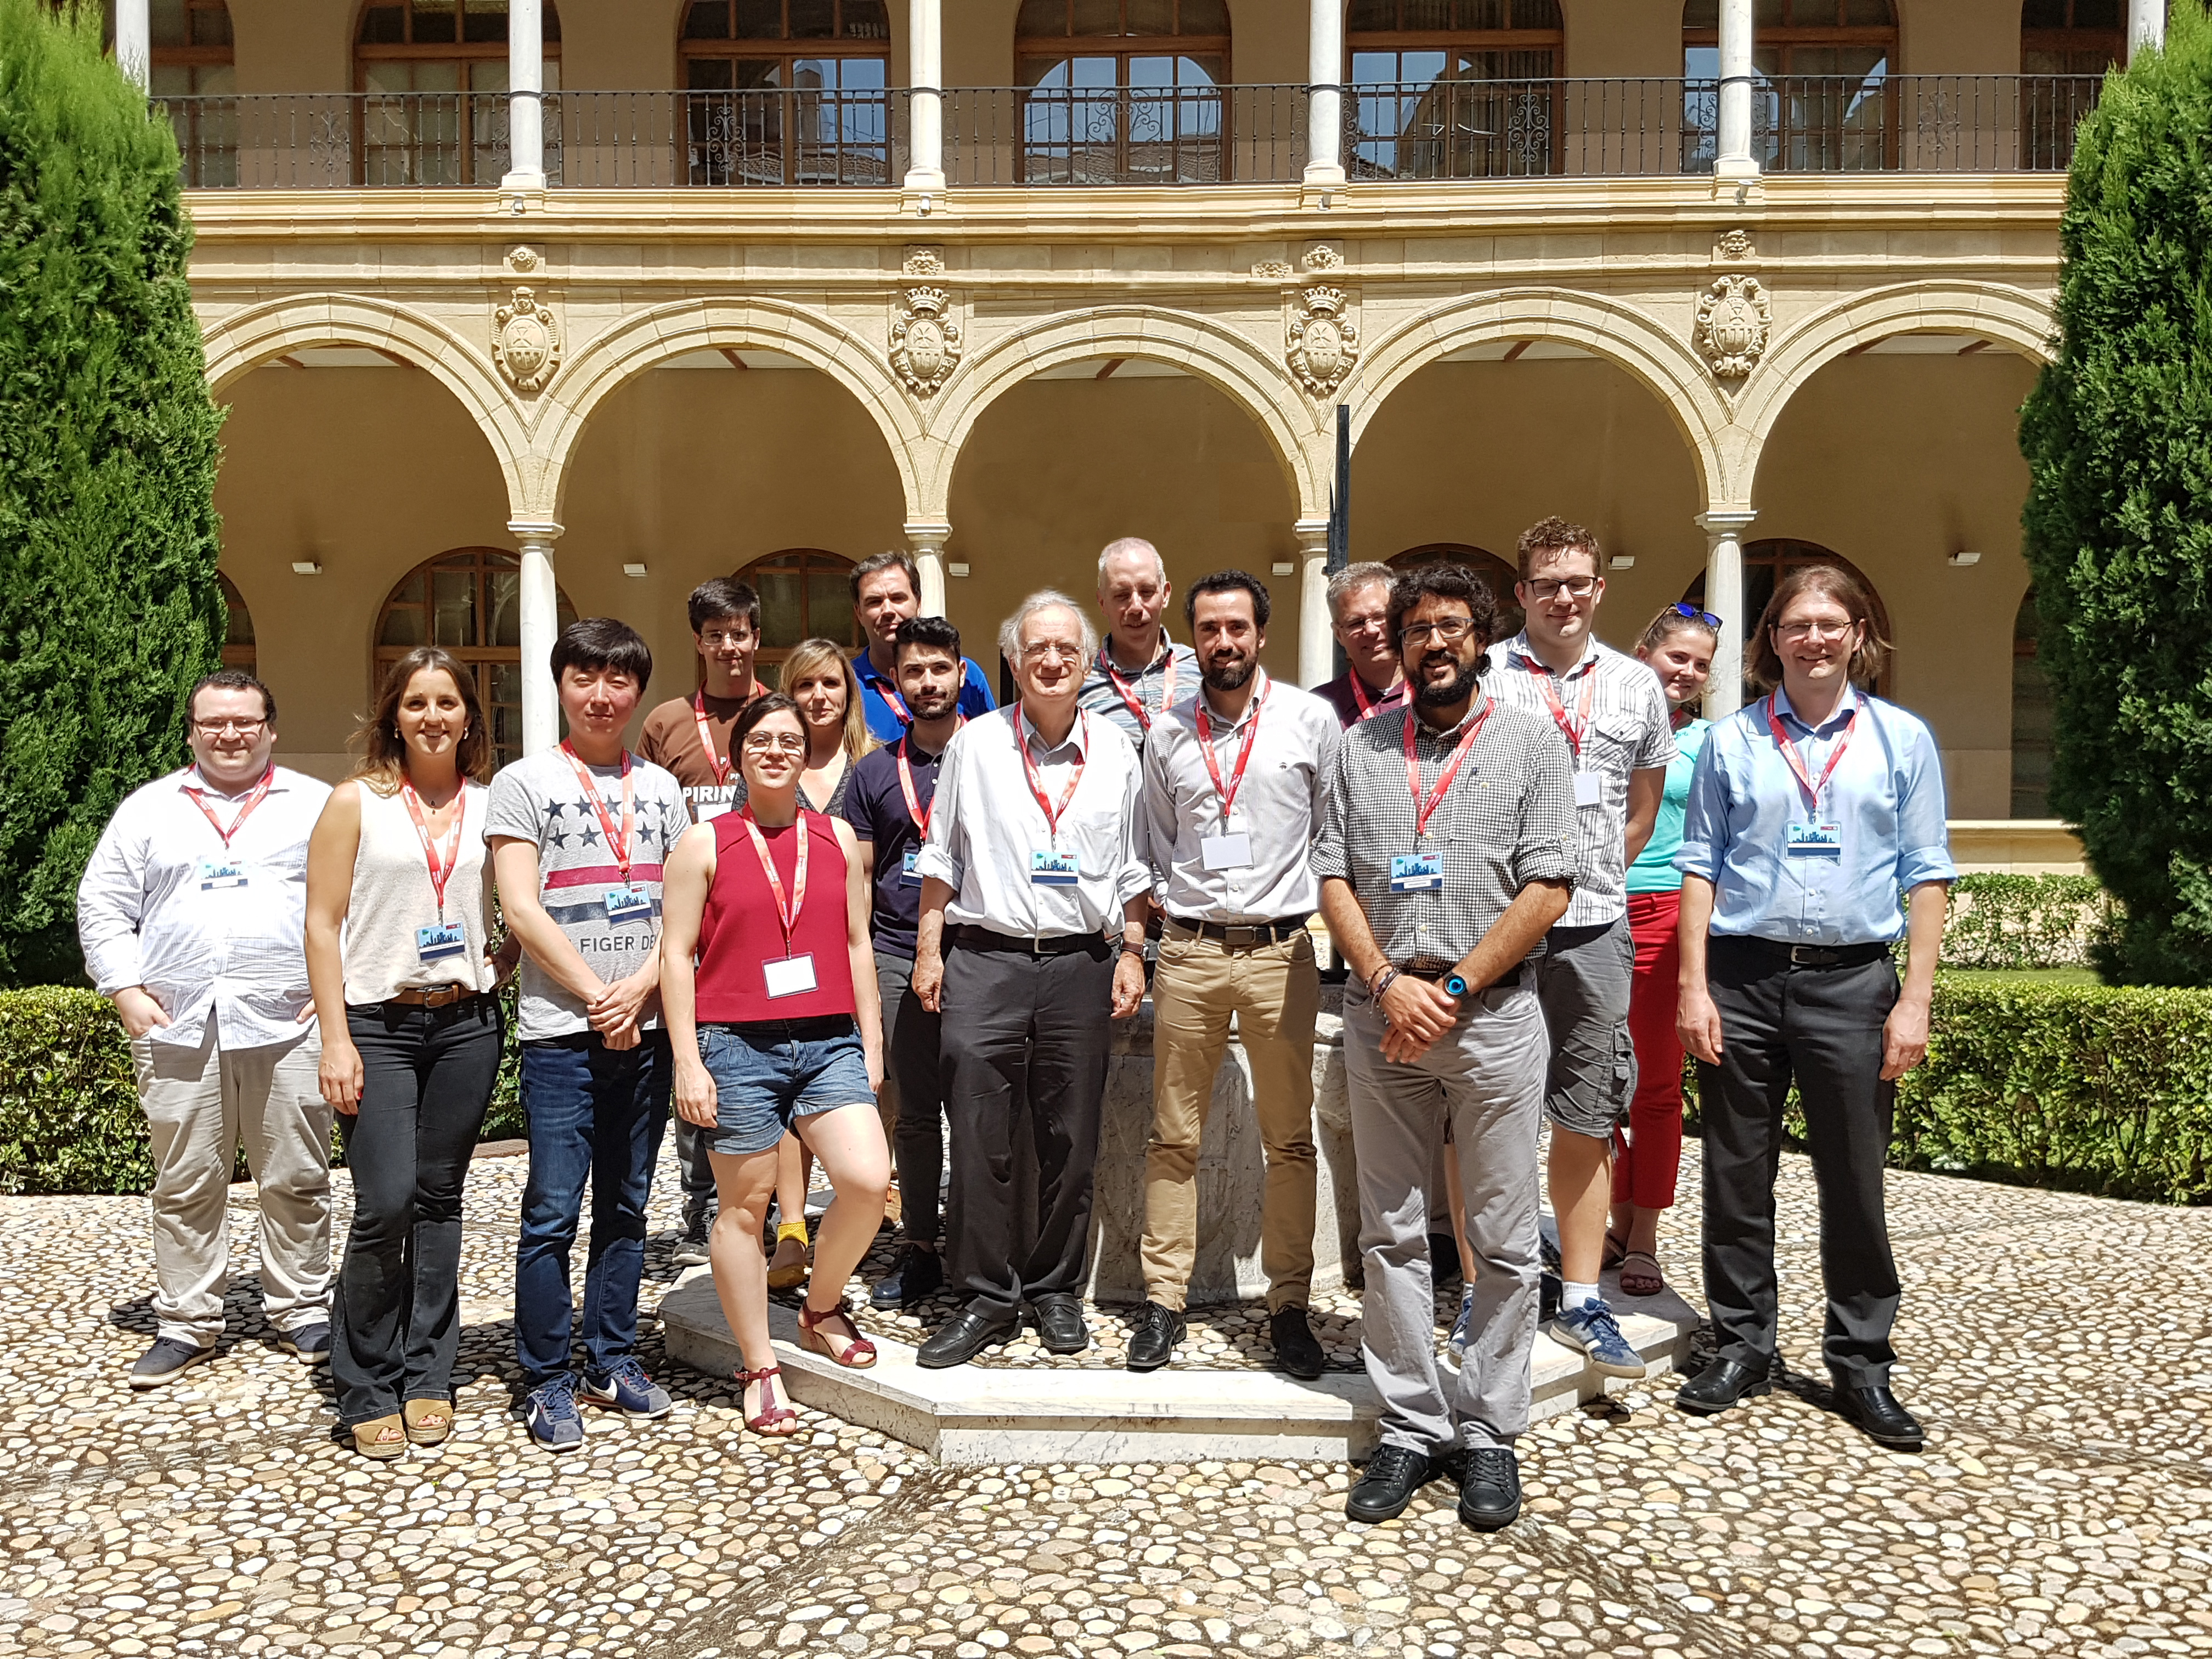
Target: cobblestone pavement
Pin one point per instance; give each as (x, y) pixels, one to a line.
(2058, 1348)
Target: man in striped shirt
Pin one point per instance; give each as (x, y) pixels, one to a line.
(1138, 671)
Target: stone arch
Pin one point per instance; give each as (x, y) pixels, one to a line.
(243, 340)
(644, 338)
(1623, 336)
(1246, 374)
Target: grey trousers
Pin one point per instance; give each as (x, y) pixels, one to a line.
(1485, 1076)
(1583, 980)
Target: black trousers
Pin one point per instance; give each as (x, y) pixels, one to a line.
(427, 1075)
(913, 1057)
(1821, 1028)
(1023, 1037)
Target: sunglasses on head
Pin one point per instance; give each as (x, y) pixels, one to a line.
(1686, 608)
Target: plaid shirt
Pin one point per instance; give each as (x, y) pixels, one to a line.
(1508, 820)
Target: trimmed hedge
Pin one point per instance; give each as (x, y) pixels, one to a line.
(1999, 921)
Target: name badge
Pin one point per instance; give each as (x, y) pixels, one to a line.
(219, 873)
(1228, 852)
(1054, 869)
(436, 944)
(909, 870)
(1815, 840)
(631, 903)
(790, 976)
(1416, 872)
(710, 801)
(1589, 789)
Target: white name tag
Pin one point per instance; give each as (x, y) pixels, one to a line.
(1589, 789)
(790, 976)
(1815, 840)
(1230, 852)
(628, 904)
(1054, 869)
(709, 802)
(436, 944)
(909, 871)
(1416, 872)
(217, 874)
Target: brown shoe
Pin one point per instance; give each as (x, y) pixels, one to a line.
(382, 1438)
(429, 1421)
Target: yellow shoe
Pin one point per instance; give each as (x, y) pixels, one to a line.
(786, 1269)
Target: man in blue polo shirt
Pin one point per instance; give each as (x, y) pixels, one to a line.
(888, 807)
(886, 592)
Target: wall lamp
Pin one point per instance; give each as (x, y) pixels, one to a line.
(1963, 560)
(307, 567)
(633, 570)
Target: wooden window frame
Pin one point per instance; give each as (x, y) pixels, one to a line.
(1481, 561)
(773, 656)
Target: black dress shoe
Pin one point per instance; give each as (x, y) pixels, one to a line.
(1878, 1416)
(917, 1274)
(1294, 1343)
(1722, 1383)
(962, 1337)
(1489, 1491)
(1393, 1474)
(1153, 1340)
(1444, 1259)
(1059, 1323)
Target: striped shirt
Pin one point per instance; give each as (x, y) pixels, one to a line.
(1151, 686)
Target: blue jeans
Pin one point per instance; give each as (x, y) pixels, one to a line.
(596, 1114)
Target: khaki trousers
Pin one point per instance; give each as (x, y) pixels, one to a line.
(200, 1103)
(1275, 993)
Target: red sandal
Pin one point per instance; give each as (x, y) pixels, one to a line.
(771, 1416)
(860, 1353)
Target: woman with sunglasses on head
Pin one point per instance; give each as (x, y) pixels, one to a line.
(768, 986)
(400, 962)
(1679, 646)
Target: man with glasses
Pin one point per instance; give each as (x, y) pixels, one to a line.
(1609, 715)
(192, 915)
(1360, 613)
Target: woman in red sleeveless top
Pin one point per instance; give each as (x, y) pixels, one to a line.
(768, 987)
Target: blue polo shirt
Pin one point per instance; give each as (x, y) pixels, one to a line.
(889, 725)
(875, 805)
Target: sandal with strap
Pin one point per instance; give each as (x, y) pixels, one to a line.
(429, 1421)
(382, 1438)
(1616, 1251)
(775, 1420)
(1641, 1281)
(859, 1353)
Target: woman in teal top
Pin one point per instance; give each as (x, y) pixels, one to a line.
(1679, 646)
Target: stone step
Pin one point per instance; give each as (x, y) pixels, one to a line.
(1088, 1414)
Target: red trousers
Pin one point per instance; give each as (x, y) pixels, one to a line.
(1647, 1157)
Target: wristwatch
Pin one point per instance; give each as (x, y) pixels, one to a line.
(1455, 985)
(1132, 947)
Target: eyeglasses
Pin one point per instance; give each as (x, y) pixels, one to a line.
(1686, 608)
(771, 742)
(1051, 652)
(1574, 587)
(219, 728)
(1797, 633)
(1377, 622)
(1449, 631)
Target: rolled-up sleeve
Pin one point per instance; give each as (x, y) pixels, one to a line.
(1332, 853)
(1923, 839)
(1705, 816)
(110, 900)
(1545, 849)
(942, 854)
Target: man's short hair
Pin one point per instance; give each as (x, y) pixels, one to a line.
(725, 596)
(599, 643)
(1349, 580)
(1555, 536)
(1045, 599)
(1227, 581)
(883, 562)
(1443, 582)
(926, 633)
(231, 679)
(1115, 550)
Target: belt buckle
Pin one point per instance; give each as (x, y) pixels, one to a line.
(1242, 937)
(1810, 956)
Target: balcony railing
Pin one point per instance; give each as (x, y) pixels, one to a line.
(1166, 137)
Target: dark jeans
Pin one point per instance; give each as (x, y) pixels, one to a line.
(698, 1171)
(1820, 1027)
(426, 1076)
(596, 1116)
(911, 1060)
(1023, 1037)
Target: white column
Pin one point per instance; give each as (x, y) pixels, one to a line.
(924, 57)
(1725, 531)
(1324, 96)
(1735, 161)
(525, 96)
(134, 42)
(1315, 640)
(540, 625)
(925, 545)
(2146, 25)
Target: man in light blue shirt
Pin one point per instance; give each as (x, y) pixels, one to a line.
(1809, 810)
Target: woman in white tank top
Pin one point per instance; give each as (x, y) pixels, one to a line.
(400, 960)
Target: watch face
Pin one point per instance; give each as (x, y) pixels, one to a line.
(1455, 985)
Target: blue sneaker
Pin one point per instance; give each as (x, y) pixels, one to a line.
(1457, 1342)
(552, 1416)
(1593, 1329)
(628, 1389)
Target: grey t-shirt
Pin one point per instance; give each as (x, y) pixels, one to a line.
(540, 800)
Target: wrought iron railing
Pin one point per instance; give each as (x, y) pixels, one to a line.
(1117, 136)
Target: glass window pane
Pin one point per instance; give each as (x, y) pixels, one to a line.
(760, 20)
(489, 74)
(1537, 15)
(1146, 17)
(383, 26)
(215, 80)
(437, 20)
(1042, 19)
(864, 20)
(1097, 17)
(1372, 17)
(1765, 13)
(829, 606)
(172, 81)
(783, 608)
(485, 20)
(168, 23)
(708, 74)
(1477, 15)
(453, 607)
(708, 19)
(1204, 17)
(1702, 15)
(1867, 14)
(2096, 13)
(503, 588)
(402, 623)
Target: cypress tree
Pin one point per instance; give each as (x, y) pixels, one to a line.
(109, 605)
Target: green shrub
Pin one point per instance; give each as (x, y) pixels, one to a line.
(1998, 921)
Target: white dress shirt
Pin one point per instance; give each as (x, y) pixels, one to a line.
(1278, 810)
(149, 913)
(985, 824)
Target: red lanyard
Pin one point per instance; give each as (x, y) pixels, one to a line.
(1228, 790)
(1797, 762)
(722, 767)
(618, 841)
(787, 915)
(1425, 809)
(895, 702)
(1370, 707)
(441, 865)
(260, 793)
(1126, 689)
(1574, 731)
(1037, 778)
(915, 809)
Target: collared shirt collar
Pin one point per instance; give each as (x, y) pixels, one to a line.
(1031, 737)
(1251, 703)
(866, 668)
(192, 778)
(1482, 699)
(1166, 650)
(1520, 647)
(1844, 706)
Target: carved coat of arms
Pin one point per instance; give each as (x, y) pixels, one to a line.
(1734, 321)
(1323, 341)
(525, 343)
(925, 341)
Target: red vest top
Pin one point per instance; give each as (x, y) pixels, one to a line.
(740, 930)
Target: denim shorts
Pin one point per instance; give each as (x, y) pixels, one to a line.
(770, 1072)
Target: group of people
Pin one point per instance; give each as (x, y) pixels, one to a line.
(828, 920)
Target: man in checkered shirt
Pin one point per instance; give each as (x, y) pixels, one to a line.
(1447, 850)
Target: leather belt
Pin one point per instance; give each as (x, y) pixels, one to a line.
(434, 996)
(968, 938)
(1810, 956)
(1242, 936)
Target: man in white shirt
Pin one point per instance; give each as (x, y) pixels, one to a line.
(1034, 854)
(192, 915)
(1233, 800)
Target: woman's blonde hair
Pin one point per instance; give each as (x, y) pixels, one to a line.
(809, 658)
(383, 751)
